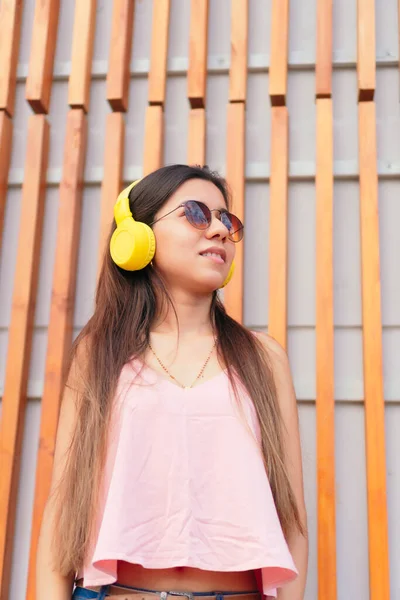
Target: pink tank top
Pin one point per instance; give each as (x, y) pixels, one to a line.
(185, 484)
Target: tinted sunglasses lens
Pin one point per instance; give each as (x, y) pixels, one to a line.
(234, 226)
(198, 214)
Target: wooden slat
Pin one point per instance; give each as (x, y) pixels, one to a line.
(159, 52)
(197, 70)
(153, 139)
(112, 180)
(20, 337)
(10, 33)
(372, 350)
(120, 55)
(238, 68)
(197, 137)
(43, 46)
(325, 398)
(235, 174)
(366, 49)
(278, 223)
(323, 65)
(61, 315)
(6, 128)
(82, 52)
(279, 52)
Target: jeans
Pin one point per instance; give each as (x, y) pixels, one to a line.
(81, 593)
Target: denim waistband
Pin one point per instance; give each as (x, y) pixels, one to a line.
(83, 593)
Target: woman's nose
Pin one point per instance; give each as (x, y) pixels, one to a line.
(217, 227)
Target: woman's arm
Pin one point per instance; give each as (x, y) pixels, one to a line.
(50, 583)
(298, 544)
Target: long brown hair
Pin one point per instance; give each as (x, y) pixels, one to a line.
(125, 309)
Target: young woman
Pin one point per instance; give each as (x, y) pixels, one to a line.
(177, 469)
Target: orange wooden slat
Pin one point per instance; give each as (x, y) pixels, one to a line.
(112, 179)
(235, 174)
(366, 49)
(120, 55)
(325, 398)
(82, 52)
(239, 34)
(278, 223)
(197, 137)
(323, 65)
(10, 33)
(43, 46)
(153, 139)
(20, 336)
(61, 315)
(197, 70)
(6, 127)
(159, 52)
(279, 52)
(372, 351)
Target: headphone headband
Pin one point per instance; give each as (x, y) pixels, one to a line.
(121, 207)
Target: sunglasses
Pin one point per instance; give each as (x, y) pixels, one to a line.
(199, 215)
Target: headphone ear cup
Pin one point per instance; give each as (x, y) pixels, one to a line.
(229, 276)
(132, 245)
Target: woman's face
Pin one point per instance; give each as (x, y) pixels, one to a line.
(180, 247)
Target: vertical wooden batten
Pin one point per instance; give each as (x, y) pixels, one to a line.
(323, 65)
(118, 74)
(10, 34)
(6, 129)
(197, 70)
(279, 52)
(197, 137)
(325, 396)
(153, 139)
(278, 225)
(366, 49)
(82, 52)
(159, 52)
(112, 180)
(20, 336)
(61, 314)
(372, 352)
(235, 174)
(44, 37)
(239, 36)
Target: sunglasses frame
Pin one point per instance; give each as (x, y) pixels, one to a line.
(220, 210)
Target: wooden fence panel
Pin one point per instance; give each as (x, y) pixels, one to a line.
(153, 139)
(112, 180)
(279, 52)
(159, 52)
(235, 173)
(323, 65)
(325, 397)
(43, 46)
(366, 49)
(61, 315)
(278, 222)
(6, 128)
(10, 33)
(82, 51)
(20, 336)
(120, 55)
(197, 137)
(197, 70)
(239, 36)
(372, 350)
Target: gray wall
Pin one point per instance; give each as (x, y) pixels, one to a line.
(352, 557)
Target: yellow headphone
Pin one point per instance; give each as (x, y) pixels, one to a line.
(133, 243)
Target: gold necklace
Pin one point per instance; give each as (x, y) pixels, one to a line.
(185, 387)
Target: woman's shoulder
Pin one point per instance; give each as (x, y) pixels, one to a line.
(275, 351)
